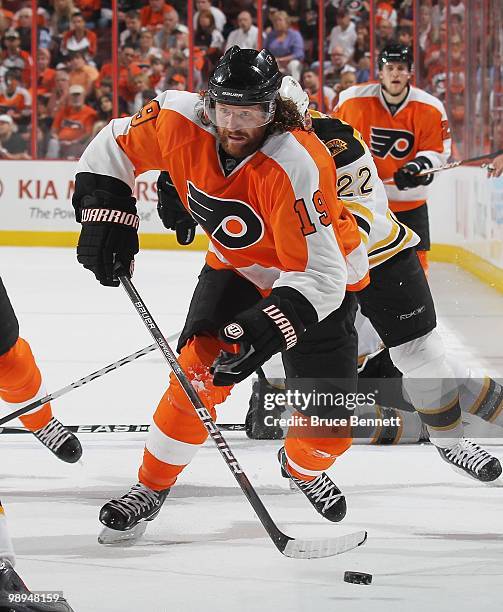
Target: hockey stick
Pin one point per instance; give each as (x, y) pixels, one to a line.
(454, 165)
(82, 381)
(290, 547)
(114, 428)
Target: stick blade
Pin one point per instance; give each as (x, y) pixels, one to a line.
(113, 537)
(323, 547)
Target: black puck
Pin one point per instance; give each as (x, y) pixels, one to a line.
(357, 577)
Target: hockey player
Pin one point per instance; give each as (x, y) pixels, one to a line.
(282, 250)
(14, 595)
(21, 383)
(398, 300)
(407, 132)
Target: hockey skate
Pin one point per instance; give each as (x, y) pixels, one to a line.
(324, 495)
(16, 597)
(472, 460)
(126, 518)
(64, 444)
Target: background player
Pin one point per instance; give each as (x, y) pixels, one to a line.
(21, 383)
(282, 251)
(398, 300)
(406, 130)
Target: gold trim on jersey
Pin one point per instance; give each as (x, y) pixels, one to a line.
(385, 255)
(359, 210)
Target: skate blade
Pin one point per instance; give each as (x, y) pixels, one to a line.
(113, 537)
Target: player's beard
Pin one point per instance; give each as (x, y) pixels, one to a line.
(247, 141)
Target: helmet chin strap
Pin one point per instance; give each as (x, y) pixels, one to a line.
(400, 97)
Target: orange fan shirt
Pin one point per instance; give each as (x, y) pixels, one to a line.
(418, 128)
(150, 18)
(275, 219)
(73, 125)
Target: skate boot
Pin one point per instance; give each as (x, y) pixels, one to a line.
(60, 441)
(472, 460)
(324, 495)
(16, 597)
(126, 518)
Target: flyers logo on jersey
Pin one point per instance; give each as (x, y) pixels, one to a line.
(232, 223)
(386, 141)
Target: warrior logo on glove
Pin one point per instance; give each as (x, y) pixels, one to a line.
(234, 224)
(397, 143)
(234, 331)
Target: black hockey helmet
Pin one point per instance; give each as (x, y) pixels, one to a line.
(395, 52)
(244, 77)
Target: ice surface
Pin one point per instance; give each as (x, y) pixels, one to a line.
(435, 538)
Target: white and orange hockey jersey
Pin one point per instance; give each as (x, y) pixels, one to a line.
(419, 127)
(362, 191)
(275, 218)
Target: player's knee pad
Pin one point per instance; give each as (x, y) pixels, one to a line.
(196, 358)
(20, 378)
(423, 357)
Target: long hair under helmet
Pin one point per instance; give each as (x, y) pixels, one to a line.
(243, 77)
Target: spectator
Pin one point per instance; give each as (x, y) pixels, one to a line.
(12, 146)
(218, 16)
(139, 85)
(79, 38)
(348, 79)
(173, 34)
(363, 69)
(286, 45)
(46, 75)
(72, 127)
(59, 95)
(245, 36)
(362, 44)
(310, 82)
(405, 36)
(14, 57)
(91, 11)
(156, 73)
(152, 15)
(104, 113)
(127, 68)
(385, 33)
(6, 19)
(336, 67)
(209, 40)
(60, 20)
(177, 81)
(130, 37)
(14, 99)
(146, 48)
(386, 11)
(344, 34)
(424, 25)
(82, 73)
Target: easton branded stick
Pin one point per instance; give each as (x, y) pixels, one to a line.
(114, 427)
(288, 546)
(81, 382)
(455, 165)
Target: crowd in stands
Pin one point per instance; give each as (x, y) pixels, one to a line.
(74, 86)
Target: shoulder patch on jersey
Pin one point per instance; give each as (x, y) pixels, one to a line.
(336, 146)
(341, 139)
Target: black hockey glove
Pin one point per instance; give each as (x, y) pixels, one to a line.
(272, 325)
(109, 234)
(408, 175)
(172, 212)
